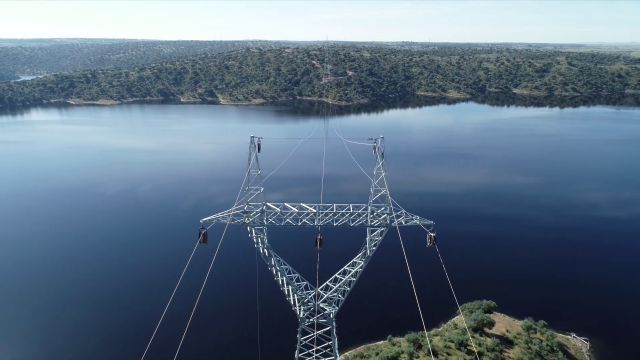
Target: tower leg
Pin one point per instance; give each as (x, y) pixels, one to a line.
(317, 341)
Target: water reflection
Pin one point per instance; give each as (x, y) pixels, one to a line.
(307, 107)
(494, 99)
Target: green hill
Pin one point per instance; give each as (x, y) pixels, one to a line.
(359, 74)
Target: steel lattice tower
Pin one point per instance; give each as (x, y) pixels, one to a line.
(317, 338)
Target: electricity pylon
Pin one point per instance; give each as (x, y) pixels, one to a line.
(316, 308)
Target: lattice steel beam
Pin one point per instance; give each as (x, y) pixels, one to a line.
(302, 214)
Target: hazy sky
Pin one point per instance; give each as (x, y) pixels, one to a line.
(458, 21)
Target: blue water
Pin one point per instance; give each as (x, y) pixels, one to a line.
(537, 209)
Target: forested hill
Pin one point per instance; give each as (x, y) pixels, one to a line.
(359, 74)
(48, 56)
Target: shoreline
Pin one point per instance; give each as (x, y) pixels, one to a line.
(451, 95)
(420, 99)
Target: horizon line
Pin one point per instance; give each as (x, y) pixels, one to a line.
(334, 41)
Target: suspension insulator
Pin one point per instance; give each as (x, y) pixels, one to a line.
(318, 241)
(203, 236)
(259, 146)
(431, 239)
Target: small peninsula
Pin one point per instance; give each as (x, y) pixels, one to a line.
(496, 337)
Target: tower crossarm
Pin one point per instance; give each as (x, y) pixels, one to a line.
(304, 214)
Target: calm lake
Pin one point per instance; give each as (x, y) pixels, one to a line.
(537, 209)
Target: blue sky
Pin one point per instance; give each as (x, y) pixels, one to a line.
(456, 21)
